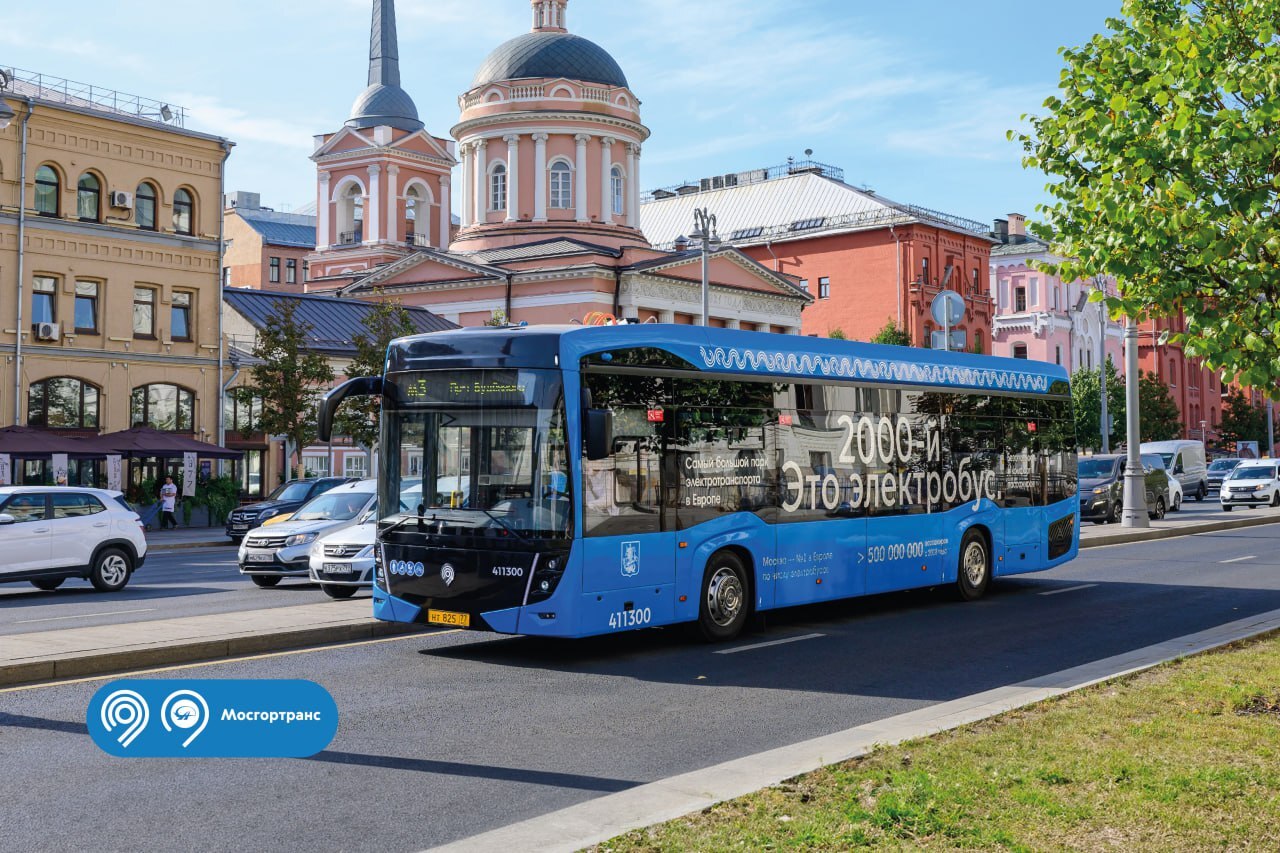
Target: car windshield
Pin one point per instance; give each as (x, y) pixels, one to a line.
(1254, 472)
(296, 491)
(1158, 462)
(1168, 459)
(333, 506)
(1224, 464)
(1096, 469)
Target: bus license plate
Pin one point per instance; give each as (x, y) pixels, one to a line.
(446, 617)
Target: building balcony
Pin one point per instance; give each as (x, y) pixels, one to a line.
(418, 241)
(351, 238)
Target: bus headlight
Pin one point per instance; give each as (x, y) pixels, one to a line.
(546, 577)
(380, 569)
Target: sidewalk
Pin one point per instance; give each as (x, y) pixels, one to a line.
(78, 652)
(187, 537)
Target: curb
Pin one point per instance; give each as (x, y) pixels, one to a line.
(185, 546)
(1146, 535)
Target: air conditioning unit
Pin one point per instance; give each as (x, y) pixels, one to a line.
(48, 332)
(120, 198)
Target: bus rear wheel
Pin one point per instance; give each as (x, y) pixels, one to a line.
(975, 566)
(724, 605)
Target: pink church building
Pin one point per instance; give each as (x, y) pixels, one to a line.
(1041, 317)
(548, 146)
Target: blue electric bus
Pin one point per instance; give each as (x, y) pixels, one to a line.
(573, 481)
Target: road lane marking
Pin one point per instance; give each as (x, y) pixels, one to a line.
(1069, 589)
(754, 646)
(84, 615)
(1239, 559)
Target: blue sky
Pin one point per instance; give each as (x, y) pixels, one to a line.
(912, 98)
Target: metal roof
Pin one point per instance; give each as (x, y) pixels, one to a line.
(384, 102)
(281, 229)
(541, 249)
(334, 322)
(1030, 245)
(786, 208)
(549, 54)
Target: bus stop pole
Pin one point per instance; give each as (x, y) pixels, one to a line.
(1135, 488)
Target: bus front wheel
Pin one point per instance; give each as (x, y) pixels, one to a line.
(975, 566)
(724, 604)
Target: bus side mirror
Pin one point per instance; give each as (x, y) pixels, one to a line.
(361, 386)
(597, 426)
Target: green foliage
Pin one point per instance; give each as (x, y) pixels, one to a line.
(1242, 421)
(289, 377)
(497, 318)
(220, 495)
(1158, 412)
(358, 416)
(1086, 399)
(891, 334)
(837, 334)
(1164, 160)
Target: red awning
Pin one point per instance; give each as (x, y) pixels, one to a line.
(26, 443)
(142, 442)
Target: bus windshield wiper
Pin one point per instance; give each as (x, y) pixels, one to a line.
(504, 525)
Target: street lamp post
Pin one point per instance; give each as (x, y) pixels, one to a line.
(1135, 492)
(704, 231)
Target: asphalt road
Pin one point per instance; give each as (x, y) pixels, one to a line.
(449, 734)
(170, 584)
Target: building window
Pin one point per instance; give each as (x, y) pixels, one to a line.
(411, 199)
(1019, 350)
(498, 187)
(144, 207)
(804, 285)
(353, 465)
(1019, 300)
(144, 312)
(1057, 354)
(86, 307)
(164, 407)
(317, 466)
(274, 276)
(616, 185)
(351, 215)
(48, 191)
(924, 270)
(226, 276)
(183, 213)
(241, 415)
(180, 316)
(824, 288)
(1088, 358)
(291, 271)
(976, 286)
(306, 270)
(44, 300)
(89, 198)
(1055, 297)
(62, 403)
(561, 186)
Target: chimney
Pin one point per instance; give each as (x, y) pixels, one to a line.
(1001, 230)
(1017, 228)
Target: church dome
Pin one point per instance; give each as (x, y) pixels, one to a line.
(550, 54)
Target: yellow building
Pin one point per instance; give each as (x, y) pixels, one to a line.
(109, 262)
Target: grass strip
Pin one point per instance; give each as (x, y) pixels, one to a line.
(1185, 756)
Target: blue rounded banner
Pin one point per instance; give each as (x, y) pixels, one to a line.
(212, 718)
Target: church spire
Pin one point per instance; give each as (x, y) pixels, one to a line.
(384, 103)
(548, 16)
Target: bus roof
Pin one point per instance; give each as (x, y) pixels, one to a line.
(728, 351)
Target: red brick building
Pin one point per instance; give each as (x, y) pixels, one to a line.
(265, 249)
(868, 261)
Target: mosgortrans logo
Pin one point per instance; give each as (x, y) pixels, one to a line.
(212, 718)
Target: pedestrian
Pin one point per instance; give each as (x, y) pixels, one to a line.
(168, 503)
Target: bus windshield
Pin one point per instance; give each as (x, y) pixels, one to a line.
(481, 448)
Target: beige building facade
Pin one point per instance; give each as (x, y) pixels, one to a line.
(109, 266)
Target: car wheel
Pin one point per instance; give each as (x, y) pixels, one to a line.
(1226, 508)
(1275, 499)
(724, 605)
(974, 574)
(335, 591)
(1113, 512)
(110, 570)
(266, 581)
(1159, 510)
(1177, 503)
(47, 584)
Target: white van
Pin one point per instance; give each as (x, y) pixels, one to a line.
(1184, 459)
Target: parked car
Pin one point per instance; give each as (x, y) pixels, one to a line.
(1185, 460)
(1218, 471)
(51, 533)
(1154, 460)
(1252, 483)
(342, 562)
(1101, 485)
(284, 500)
(284, 550)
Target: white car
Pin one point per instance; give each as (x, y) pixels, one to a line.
(342, 562)
(1175, 492)
(1252, 483)
(51, 533)
(283, 550)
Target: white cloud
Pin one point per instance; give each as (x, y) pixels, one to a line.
(209, 114)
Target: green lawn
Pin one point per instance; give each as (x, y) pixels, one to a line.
(1182, 757)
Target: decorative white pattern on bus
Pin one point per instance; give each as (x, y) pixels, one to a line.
(808, 364)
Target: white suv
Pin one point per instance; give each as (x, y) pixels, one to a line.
(51, 533)
(1254, 482)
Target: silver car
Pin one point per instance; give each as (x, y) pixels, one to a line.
(342, 562)
(283, 550)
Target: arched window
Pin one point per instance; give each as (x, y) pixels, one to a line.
(616, 185)
(498, 187)
(89, 198)
(144, 206)
(1019, 350)
(183, 213)
(351, 214)
(164, 407)
(62, 403)
(561, 186)
(417, 216)
(48, 191)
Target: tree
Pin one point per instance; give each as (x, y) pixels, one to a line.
(1242, 421)
(357, 417)
(1086, 400)
(289, 377)
(1159, 417)
(837, 334)
(891, 334)
(1163, 149)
